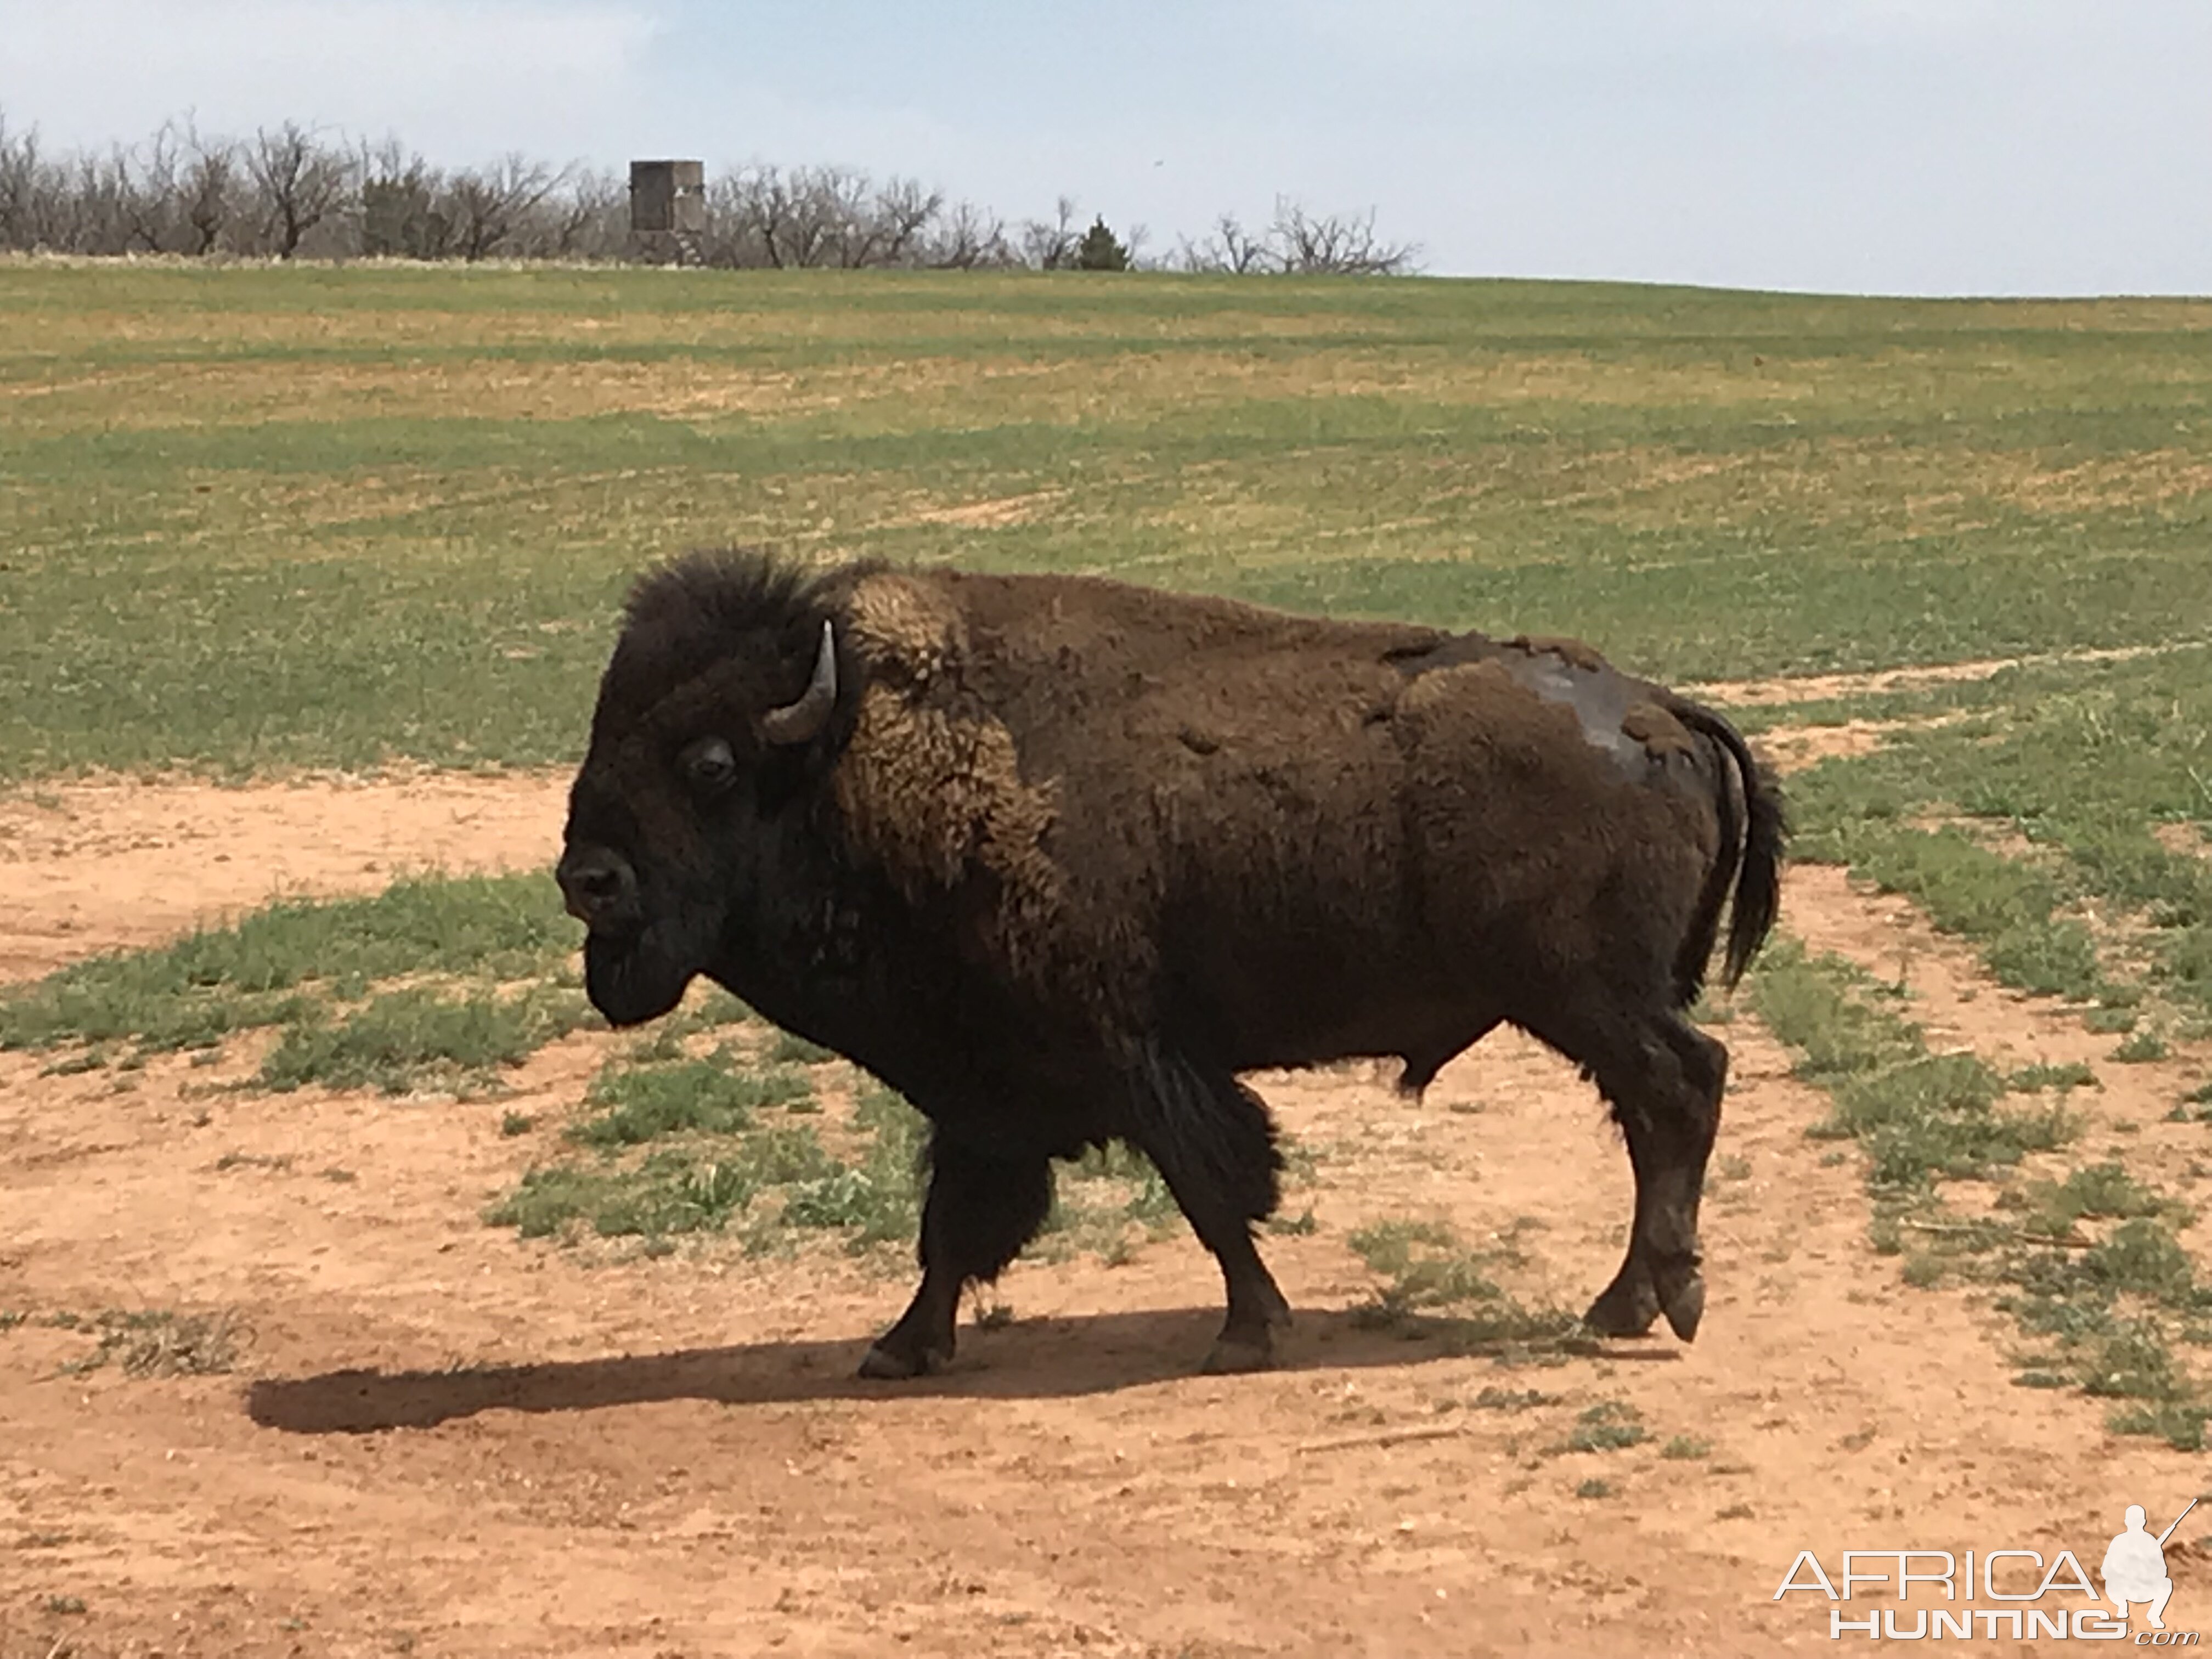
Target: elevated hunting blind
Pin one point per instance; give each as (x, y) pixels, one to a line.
(668, 211)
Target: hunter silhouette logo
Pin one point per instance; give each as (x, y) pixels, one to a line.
(2134, 1566)
(2025, 1594)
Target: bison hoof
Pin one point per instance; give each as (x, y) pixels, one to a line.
(1231, 1355)
(1686, 1305)
(1624, 1308)
(883, 1364)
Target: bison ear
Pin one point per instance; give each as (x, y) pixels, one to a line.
(802, 721)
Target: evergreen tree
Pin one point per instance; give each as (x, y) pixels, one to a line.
(1099, 250)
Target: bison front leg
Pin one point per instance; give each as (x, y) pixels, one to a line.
(1214, 1145)
(980, 1210)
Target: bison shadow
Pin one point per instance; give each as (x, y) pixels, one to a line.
(1036, 1359)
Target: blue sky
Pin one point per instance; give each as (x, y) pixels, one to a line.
(1892, 146)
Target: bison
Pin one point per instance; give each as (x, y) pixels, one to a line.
(1058, 858)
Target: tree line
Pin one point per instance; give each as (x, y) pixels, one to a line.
(295, 192)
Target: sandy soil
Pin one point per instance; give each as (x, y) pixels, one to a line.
(440, 1440)
(1811, 687)
(94, 866)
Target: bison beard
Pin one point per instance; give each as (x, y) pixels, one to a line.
(1058, 858)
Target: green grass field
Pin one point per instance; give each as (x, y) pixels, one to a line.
(259, 519)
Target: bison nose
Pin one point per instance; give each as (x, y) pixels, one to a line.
(600, 885)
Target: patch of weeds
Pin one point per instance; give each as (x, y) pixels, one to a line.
(420, 1037)
(2143, 1258)
(2002, 904)
(713, 1010)
(792, 1049)
(1924, 1270)
(1922, 1117)
(2109, 1021)
(673, 1189)
(1609, 1426)
(1513, 1400)
(512, 1124)
(1098, 1195)
(2179, 1424)
(273, 1160)
(343, 1177)
(2144, 1045)
(1425, 1264)
(1734, 1512)
(2051, 1208)
(709, 1095)
(2031, 1079)
(2107, 1308)
(220, 980)
(65, 1604)
(11, 1317)
(705, 1162)
(875, 1200)
(1594, 1488)
(1430, 1273)
(161, 1343)
(1300, 1225)
(1684, 1447)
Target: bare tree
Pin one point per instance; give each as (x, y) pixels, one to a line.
(1300, 244)
(95, 218)
(20, 172)
(1230, 249)
(1335, 245)
(898, 215)
(787, 230)
(969, 238)
(38, 206)
(488, 205)
(209, 188)
(147, 201)
(1052, 246)
(299, 182)
(589, 220)
(816, 223)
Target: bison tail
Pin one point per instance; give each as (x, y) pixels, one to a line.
(1751, 862)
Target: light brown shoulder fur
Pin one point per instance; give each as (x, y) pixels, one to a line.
(931, 784)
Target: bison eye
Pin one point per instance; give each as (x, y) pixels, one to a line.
(710, 765)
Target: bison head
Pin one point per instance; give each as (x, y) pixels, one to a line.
(721, 705)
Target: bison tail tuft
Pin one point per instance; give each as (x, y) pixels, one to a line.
(1751, 862)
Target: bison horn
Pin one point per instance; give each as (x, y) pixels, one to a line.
(802, 721)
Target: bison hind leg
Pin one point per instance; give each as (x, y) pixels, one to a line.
(1663, 1078)
(1214, 1145)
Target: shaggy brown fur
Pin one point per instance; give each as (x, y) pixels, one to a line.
(1071, 854)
